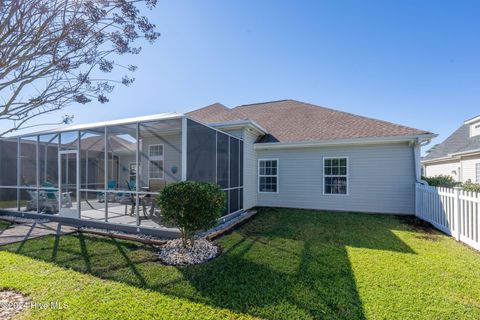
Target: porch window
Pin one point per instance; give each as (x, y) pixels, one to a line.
(268, 175)
(155, 165)
(335, 176)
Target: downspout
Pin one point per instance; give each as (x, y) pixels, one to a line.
(417, 159)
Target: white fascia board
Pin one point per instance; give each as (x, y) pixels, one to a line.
(453, 156)
(342, 142)
(442, 159)
(155, 117)
(239, 124)
(468, 152)
(473, 120)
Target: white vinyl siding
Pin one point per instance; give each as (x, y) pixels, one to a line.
(268, 175)
(450, 168)
(477, 167)
(474, 129)
(155, 161)
(335, 176)
(249, 170)
(381, 179)
(469, 168)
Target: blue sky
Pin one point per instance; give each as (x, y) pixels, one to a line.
(415, 63)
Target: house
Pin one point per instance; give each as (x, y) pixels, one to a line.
(281, 154)
(458, 156)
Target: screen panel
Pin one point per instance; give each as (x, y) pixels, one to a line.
(201, 149)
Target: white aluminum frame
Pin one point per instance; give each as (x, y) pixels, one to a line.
(77, 178)
(78, 129)
(347, 176)
(263, 175)
(162, 159)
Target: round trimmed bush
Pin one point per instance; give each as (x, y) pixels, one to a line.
(191, 206)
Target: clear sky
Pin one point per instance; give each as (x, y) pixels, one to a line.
(413, 62)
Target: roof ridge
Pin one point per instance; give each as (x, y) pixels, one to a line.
(357, 115)
(211, 105)
(257, 103)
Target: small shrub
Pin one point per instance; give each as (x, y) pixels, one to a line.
(472, 187)
(191, 206)
(441, 181)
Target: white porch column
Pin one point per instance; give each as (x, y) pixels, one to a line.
(184, 149)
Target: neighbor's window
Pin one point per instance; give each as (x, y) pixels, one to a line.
(155, 161)
(335, 175)
(267, 175)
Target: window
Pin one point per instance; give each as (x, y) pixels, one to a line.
(335, 175)
(132, 171)
(268, 175)
(477, 167)
(155, 161)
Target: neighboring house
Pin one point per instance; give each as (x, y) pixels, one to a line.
(279, 154)
(305, 156)
(458, 156)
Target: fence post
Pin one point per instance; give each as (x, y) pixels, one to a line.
(416, 199)
(457, 213)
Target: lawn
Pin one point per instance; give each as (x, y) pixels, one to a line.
(284, 264)
(4, 224)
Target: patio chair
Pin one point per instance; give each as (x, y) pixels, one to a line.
(148, 200)
(52, 194)
(128, 198)
(45, 203)
(111, 197)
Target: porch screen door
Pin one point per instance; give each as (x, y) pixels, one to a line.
(68, 172)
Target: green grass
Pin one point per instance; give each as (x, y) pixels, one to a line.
(284, 264)
(4, 224)
(7, 204)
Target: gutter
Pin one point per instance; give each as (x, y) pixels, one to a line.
(343, 142)
(453, 156)
(417, 158)
(240, 124)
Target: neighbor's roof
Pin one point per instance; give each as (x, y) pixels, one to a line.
(459, 142)
(291, 120)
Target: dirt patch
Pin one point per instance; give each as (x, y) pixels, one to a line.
(11, 304)
(417, 224)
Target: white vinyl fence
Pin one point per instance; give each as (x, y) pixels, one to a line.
(452, 211)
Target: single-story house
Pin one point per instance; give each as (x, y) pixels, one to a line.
(280, 154)
(458, 156)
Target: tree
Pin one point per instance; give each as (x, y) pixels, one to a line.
(192, 206)
(56, 52)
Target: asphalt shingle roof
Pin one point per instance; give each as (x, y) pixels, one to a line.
(291, 120)
(459, 141)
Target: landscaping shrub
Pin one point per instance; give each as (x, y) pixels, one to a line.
(472, 187)
(191, 206)
(441, 181)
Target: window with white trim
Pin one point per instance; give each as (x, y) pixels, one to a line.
(268, 175)
(477, 169)
(335, 176)
(155, 161)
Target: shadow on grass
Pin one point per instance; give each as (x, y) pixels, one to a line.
(284, 264)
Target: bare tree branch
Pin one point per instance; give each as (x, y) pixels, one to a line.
(49, 51)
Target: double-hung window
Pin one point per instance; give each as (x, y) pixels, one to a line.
(335, 175)
(268, 175)
(155, 161)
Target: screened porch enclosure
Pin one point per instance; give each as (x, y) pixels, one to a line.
(112, 172)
